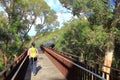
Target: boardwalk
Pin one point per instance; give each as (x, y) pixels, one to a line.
(46, 70)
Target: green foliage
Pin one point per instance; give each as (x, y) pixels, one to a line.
(99, 37)
(80, 39)
(48, 37)
(101, 34)
(16, 21)
(74, 37)
(1, 67)
(16, 26)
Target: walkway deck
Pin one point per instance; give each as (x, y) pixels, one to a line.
(46, 70)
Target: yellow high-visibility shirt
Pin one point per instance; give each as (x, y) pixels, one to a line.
(33, 52)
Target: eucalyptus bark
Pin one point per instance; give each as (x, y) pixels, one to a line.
(109, 55)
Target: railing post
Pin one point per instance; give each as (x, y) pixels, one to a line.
(96, 70)
(4, 75)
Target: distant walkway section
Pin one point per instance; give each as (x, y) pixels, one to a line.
(46, 70)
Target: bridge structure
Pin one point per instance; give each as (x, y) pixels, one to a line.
(56, 65)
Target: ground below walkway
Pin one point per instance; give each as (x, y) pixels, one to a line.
(46, 70)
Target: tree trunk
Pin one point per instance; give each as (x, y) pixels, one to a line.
(108, 61)
(5, 60)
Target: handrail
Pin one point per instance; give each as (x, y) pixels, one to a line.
(65, 65)
(8, 73)
(11, 66)
(98, 76)
(77, 58)
(13, 78)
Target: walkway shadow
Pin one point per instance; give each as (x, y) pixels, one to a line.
(38, 68)
(28, 73)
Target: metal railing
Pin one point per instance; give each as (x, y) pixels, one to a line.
(72, 69)
(16, 70)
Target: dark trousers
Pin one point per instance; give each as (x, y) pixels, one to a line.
(33, 62)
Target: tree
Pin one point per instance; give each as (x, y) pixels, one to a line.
(4, 36)
(100, 13)
(17, 19)
(74, 38)
(45, 22)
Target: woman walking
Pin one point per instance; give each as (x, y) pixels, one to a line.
(33, 55)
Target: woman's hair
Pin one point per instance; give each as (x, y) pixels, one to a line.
(33, 44)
